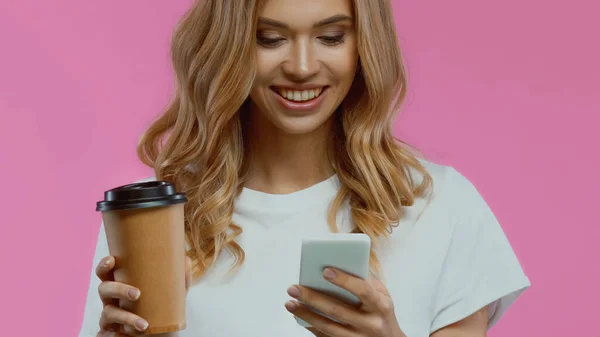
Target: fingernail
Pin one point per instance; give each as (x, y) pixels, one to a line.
(290, 305)
(107, 261)
(141, 325)
(294, 292)
(329, 273)
(133, 293)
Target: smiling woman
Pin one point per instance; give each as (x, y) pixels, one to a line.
(294, 90)
(305, 67)
(281, 129)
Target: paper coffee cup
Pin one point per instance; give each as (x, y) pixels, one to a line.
(144, 226)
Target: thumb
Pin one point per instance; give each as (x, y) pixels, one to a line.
(378, 285)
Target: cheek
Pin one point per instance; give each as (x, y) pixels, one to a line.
(262, 79)
(343, 64)
(267, 62)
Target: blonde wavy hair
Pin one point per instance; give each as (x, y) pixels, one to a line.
(198, 142)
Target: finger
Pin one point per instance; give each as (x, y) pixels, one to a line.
(104, 269)
(113, 314)
(328, 305)
(378, 286)
(105, 333)
(188, 272)
(107, 326)
(131, 331)
(316, 332)
(318, 322)
(109, 290)
(385, 304)
(357, 286)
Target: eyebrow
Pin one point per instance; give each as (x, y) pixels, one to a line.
(330, 20)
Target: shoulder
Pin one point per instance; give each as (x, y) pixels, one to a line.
(447, 175)
(454, 208)
(477, 266)
(451, 187)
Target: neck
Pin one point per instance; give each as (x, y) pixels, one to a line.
(282, 163)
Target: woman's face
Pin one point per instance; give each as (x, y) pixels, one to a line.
(306, 62)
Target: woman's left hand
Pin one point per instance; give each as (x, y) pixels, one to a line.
(374, 317)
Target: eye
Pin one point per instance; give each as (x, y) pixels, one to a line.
(332, 40)
(269, 40)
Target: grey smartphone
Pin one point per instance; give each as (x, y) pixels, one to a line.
(347, 252)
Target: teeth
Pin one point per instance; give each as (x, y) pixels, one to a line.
(300, 96)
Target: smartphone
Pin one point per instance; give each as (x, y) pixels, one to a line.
(347, 252)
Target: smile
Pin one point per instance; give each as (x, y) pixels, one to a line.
(299, 95)
(299, 100)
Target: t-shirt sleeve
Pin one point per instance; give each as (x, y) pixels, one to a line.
(93, 305)
(480, 268)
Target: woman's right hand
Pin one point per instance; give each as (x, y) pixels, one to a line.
(113, 317)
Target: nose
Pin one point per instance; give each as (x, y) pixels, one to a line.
(301, 63)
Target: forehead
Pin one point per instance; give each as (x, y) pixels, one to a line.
(299, 13)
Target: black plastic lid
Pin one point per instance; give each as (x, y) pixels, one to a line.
(140, 195)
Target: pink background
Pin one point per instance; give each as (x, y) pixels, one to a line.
(505, 91)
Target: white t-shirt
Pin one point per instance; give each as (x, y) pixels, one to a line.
(448, 258)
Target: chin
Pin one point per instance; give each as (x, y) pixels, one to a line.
(301, 125)
(275, 118)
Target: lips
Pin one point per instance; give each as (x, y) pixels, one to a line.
(299, 95)
(299, 100)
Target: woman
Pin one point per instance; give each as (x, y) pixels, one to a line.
(281, 128)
